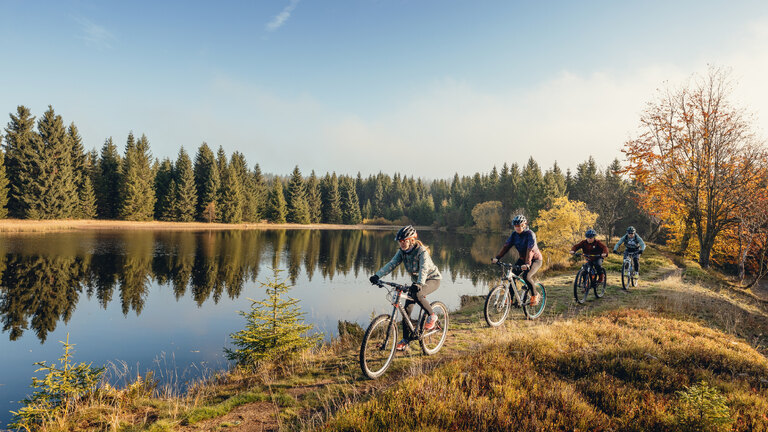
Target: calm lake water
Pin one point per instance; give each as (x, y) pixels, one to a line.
(167, 301)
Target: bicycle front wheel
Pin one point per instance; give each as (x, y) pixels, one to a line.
(581, 286)
(532, 311)
(432, 340)
(378, 347)
(497, 304)
(625, 275)
(600, 286)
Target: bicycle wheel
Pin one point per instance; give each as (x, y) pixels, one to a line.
(581, 286)
(432, 340)
(533, 311)
(633, 279)
(497, 304)
(625, 275)
(378, 347)
(600, 286)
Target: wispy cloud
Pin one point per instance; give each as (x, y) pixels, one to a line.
(94, 34)
(282, 17)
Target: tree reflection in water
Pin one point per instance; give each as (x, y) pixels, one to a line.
(41, 281)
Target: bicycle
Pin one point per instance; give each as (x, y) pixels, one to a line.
(628, 270)
(588, 278)
(499, 301)
(380, 339)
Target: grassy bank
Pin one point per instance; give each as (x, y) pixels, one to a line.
(629, 361)
(24, 225)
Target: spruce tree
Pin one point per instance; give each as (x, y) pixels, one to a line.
(49, 187)
(185, 194)
(531, 189)
(350, 206)
(298, 209)
(108, 185)
(137, 191)
(378, 198)
(260, 194)
(331, 199)
(19, 139)
(314, 199)
(207, 183)
(231, 196)
(276, 207)
(3, 185)
(164, 191)
(82, 166)
(240, 166)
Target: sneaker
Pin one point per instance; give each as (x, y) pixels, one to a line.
(636, 275)
(431, 322)
(535, 299)
(402, 345)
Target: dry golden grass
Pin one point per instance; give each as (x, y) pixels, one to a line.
(36, 226)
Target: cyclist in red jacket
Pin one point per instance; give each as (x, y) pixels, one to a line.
(594, 251)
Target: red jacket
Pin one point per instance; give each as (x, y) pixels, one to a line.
(594, 248)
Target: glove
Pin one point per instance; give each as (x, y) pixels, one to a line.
(615, 251)
(494, 260)
(639, 252)
(374, 279)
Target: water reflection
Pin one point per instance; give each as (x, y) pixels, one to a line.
(42, 277)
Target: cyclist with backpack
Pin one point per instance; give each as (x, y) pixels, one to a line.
(424, 275)
(633, 244)
(524, 240)
(594, 251)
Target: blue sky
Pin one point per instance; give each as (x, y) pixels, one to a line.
(427, 88)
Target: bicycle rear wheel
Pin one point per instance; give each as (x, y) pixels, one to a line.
(600, 286)
(378, 347)
(432, 340)
(581, 286)
(533, 311)
(497, 304)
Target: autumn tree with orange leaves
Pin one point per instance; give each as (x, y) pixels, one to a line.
(697, 159)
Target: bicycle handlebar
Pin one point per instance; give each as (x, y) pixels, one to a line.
(509, 266)
(396, 286)
(578, 254)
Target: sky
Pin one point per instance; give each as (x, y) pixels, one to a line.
(424, 88)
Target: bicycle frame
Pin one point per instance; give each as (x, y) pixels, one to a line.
(511, 280)
(400, 294)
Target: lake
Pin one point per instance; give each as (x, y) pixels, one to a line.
(167, 301)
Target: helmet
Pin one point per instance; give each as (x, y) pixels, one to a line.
(406, 232)
(631, 230)
(519, 220)
(590, 233)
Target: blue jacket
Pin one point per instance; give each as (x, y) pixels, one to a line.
(526, 246)
(417, 263)
(631, 244)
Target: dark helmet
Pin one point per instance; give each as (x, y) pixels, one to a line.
(631, 230)
(590, 233)
(519, 220)
(406, 232)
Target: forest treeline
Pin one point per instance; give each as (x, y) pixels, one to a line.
(47, 174)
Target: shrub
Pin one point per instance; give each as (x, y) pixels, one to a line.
(488, 216)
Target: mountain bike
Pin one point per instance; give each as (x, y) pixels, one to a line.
(503, 296)
(588, 277)
(380, 339)
(628, 270)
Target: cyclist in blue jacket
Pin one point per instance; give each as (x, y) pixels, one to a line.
(530, 258)
(633, 244)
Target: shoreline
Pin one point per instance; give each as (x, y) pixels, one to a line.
(11, 226)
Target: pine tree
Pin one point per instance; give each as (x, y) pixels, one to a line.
(230, 196)
(240, 166)
(49, 188)
(314, 199)
(3, 185)
(164, 191)
(298, 209)
(207, 183)
(276, 207)
(137, 192)
(259, 193)
(108, 185)
(185, 194)
(350, 206)
(19, 138)
(378, 198)
(331, 199)
(86, 199)
(274, 329)
(531, 197)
